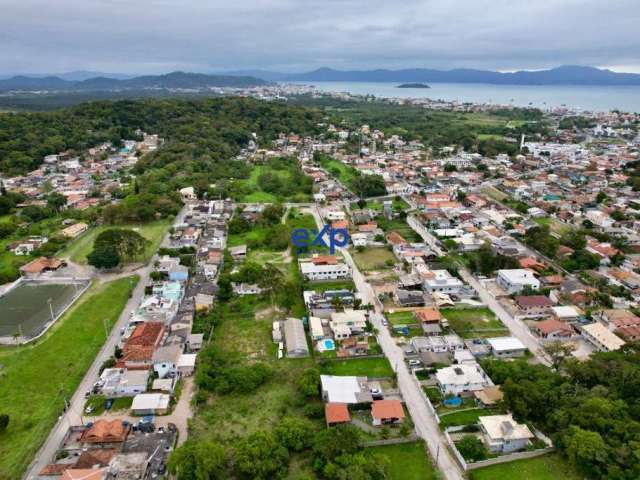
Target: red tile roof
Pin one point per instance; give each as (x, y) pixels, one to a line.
(106, 431)
(336, 413)
(386, 409)
(428, 315)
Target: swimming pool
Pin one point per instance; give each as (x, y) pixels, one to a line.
(328, 344)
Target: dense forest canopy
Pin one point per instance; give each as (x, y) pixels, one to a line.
(202, 129)
(591, 409)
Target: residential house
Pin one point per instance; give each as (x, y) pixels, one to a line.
(533, 306)
(186, 364)
(601, 337)
(506, 347)
(552, 329)
(312, 271)
(336, 413)
(165, 360)
(516, 280)
(345, 389)
(462, 379)
(386, 412)
(150, 404)
(502, 434)
(347, 323)
(441, 281)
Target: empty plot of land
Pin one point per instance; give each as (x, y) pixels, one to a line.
(25, 309)
(374, 259)
(361, 367)
(548, 467)
(408, 461)
(474, 322)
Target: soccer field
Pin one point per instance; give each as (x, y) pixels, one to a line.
(25, 310)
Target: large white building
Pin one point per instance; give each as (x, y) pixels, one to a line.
(516, 280)
(347, 323)
(462, 378)
(441, 281)
(601, 337)
(324, 272)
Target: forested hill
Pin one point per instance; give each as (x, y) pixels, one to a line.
(174, 80)
(200, 131)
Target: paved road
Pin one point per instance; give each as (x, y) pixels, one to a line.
(517, 327)
(73, 415)
(424, 420)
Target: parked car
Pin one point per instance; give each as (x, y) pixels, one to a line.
(108, 404)
(89, 409)
(415, 363)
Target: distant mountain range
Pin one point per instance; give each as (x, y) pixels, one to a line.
(91, 81)
(565, 75)
(172, 80)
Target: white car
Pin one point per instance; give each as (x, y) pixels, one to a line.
(415, 363)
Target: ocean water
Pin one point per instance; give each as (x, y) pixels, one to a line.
(580, 97)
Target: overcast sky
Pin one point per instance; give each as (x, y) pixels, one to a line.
(156, 36)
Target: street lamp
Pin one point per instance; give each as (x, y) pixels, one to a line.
(49, 300)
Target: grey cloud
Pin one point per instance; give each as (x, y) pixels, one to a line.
(153, 36)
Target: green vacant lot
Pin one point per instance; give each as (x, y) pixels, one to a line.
(257, 195)
(398, 205)
(474, 322)
(401, 318)
(548, 467)
(33, 379)
(345, 173)
(409, 461)
(78, 250)
(374, 259)
(362, 367)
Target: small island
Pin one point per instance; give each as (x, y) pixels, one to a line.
(413, 85)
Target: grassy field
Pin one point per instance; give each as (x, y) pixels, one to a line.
(409, 461)
(345, 173)
(494, 193)
(556, 226)
(257, 195)
(374, 259)
(362, 367)
(467, 417)
(10, 263)
(331, 285)
(33, 379)
(401, 318)
(547, 467)
(400, 226)
(474, 322)
(246, 331)
(78, 250)
(398, 205)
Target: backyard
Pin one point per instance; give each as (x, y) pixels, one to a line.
(78, 250)
(376, 367)
(397, 203)
(464, 417)
(474, 322)
(35, 378)
(409, 461)
(369, 259)
(547, 467)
